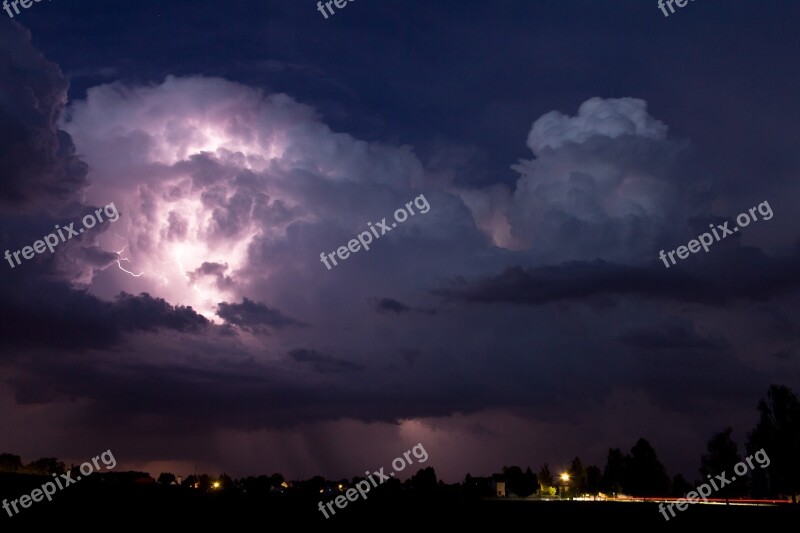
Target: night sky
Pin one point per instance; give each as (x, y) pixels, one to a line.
(525, 318)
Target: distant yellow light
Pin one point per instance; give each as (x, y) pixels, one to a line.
(341, 486)
(564, 477)
(215, 485)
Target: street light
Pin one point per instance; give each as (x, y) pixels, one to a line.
(564, 483)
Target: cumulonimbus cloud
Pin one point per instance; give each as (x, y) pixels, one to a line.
(606, 184)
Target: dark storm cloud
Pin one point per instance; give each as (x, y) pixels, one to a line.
(324, 364)
(231, 393)
(390, 305)
(38, 161)
(251, 315)
(674, 337)
(700, 374)
(572, 281)
(740, 274)
(383, 305)
(54, 315)
(145, 313)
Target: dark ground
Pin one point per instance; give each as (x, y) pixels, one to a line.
(97, 505)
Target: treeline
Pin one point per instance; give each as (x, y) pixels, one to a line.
(640, 473)
(45, 466)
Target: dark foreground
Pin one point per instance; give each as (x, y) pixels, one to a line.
(103, 507)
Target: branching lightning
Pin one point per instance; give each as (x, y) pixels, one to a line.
(120, 259)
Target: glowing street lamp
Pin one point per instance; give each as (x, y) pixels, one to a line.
(564, 483)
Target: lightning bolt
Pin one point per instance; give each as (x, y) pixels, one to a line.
(120, 259)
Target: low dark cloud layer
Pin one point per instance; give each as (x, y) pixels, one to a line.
(756, 277)
(55, 316)
(390, 305)
(325, 364)
(249, 315)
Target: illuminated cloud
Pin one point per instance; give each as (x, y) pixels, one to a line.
(605, 184)
(206, 173)
(610, 118)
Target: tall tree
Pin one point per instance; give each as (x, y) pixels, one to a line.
(614, 472)
(518, 482)
(721, 456)
(646, 475)
(531, 482)
(777, 433)
(593, 476)
(578, 482)
(545, 477)
(680, 487)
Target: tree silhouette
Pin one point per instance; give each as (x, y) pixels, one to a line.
(256, 485)
(225, 481)
(165, 478)
(545, 477)
(645, 475)
(46, 466)
(10, 463)
(614, 472)
(531, 483)
(578, 482)
(593, 477)
(520, 483)
(680, 487)
(722, 456)
(777, 433)
(424, 480)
